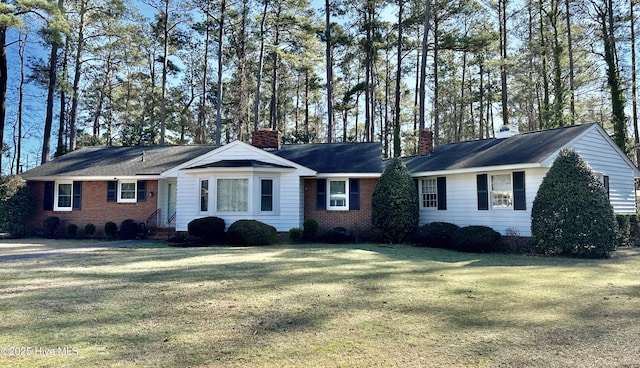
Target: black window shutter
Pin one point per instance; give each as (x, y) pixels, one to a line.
(48, 195)
(77, 195)
(519, 195)
(354, 194)
(112, 191)
(321, 194)
(605, 182)
(442, 193)
(483, 192)
(142, 190)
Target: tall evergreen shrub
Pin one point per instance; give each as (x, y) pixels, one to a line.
(16, 206)
(395, 203)
(571, 214)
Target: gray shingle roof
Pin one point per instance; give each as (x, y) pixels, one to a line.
(127, 161)
(117, 161)
(332, 158)
(524, 148)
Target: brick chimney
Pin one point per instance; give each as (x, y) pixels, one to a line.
(266, 139)
(425, 142)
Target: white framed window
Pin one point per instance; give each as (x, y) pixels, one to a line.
(338, 198)
(127, 191)
(204, 195)
(429, 193)
(232, 195)
(63, 197)
(501, 191)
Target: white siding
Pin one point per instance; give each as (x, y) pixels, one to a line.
(287, 189)
(462, 204)
(603, 157)
(593, 146)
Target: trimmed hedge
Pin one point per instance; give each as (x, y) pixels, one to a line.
(296, 234)
(475, 239)
(128, 229)
(338, 235)
(209, 229)
(89, 229)
(436, 234)
(51, 225)
(250, 233)
(72, 231)
(310, 229)
(110, 229)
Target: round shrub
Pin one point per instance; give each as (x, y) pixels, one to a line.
(72, 230)
(296, 234)
(436, 234)
(571, 214)
(310, 229)
(250, 233)
(110, 229)
(395, 203)
(208, 229)
(475, 239)
(51, 225)
(128, 229)
(89, 229)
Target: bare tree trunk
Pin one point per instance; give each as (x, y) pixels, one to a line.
(73, 124)
(200, 136)
(634, 87)
(256, 105)
(502, 10)
(397, 149)
(329, 71)
(220, 56)
(423, 66)
(165, 72)
(572, 88)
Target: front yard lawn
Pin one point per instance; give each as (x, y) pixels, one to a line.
(363, 305)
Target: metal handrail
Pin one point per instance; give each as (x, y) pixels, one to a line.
(155, 214)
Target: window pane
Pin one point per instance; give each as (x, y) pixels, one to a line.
(64, 195)
(204, 195)
(266, 195)
(338, 193)
(128, 190)
(233, 195)
(501, 191)
(429, 193)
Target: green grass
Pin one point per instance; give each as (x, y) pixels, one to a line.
(320, 306)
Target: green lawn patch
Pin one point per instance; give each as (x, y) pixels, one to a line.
(361, 305)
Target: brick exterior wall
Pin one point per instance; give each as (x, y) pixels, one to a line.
(95, 209)
(356, 221)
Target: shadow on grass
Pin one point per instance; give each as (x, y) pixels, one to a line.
(224, 303)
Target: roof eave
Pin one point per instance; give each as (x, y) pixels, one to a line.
(478, 169)
(94, 178)
(322, 175)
